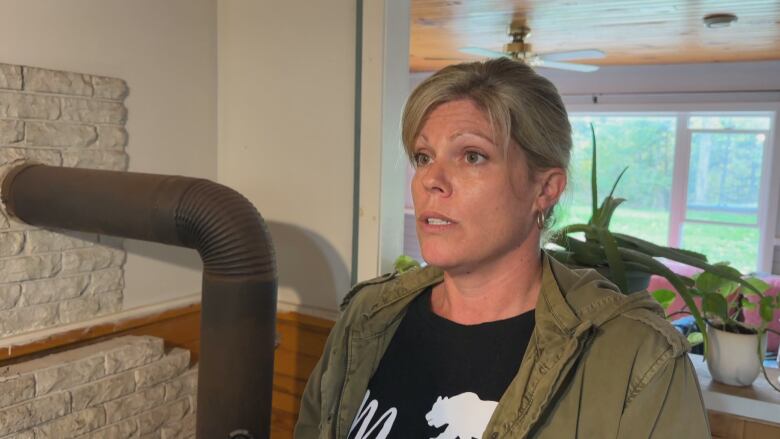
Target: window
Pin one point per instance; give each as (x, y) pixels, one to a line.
(693, 181)
(643, 143)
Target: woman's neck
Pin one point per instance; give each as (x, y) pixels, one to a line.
(502, 289)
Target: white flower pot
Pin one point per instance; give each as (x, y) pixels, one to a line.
(733, 358)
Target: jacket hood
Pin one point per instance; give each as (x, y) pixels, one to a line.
(588, 295)
(572, 300)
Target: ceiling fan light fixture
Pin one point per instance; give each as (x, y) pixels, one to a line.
(716, 21)
(518, 49)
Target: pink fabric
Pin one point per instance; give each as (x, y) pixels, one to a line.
(751, 316)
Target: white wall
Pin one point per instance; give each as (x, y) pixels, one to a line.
(166, 51)
(286, 135)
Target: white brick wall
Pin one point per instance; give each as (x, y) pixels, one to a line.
(123, 388)
(49, 277)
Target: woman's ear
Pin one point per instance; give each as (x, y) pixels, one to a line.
(552, 183)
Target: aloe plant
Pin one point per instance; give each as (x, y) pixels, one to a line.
(621, 253)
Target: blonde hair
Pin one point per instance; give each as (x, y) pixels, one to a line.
(522, 106)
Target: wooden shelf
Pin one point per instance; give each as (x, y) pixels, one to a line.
(758, 401)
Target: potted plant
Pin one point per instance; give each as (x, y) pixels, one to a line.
(405, 263)
(735, 354)
(620, 257)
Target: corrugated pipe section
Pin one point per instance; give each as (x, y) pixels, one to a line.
(238, 311)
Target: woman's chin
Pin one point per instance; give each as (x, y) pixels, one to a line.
(441, 258)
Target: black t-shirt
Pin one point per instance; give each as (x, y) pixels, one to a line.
(439, 377)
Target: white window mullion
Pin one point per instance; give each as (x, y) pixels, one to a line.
(679, 195)
(768, 198)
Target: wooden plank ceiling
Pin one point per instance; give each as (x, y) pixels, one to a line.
(629, 31)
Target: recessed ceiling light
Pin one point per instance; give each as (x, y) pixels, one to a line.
(713, 21)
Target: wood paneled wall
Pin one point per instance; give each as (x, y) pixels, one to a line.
(179, 327)
(301, 342)
(725, 426)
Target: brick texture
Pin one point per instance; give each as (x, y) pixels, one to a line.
(48, 277)
(126, 387)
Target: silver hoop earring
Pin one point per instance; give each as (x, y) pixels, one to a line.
(540, 220)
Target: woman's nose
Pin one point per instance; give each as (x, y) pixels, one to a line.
(437, 179)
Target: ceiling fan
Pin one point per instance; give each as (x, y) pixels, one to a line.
(520, 50)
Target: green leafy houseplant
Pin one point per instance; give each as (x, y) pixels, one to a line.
(617, 255)
(723, 303)
(405, 263)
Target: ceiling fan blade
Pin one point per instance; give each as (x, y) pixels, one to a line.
(565, 65)
(482, 52)
(574, 54)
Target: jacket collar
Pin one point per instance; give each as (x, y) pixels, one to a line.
(553, 312)
(559, 310)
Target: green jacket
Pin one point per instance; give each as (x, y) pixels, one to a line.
(599, 364)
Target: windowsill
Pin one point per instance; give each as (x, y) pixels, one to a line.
(759, 401)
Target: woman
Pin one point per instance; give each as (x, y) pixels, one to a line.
(494, 338)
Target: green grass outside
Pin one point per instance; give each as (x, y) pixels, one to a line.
(737, 245)
(709, 215)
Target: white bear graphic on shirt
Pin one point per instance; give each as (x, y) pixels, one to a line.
(465, 415)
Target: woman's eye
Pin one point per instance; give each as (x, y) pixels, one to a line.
(474, 157)
(421, 159)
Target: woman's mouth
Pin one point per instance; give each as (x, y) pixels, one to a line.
(438, 221)
(434, 221)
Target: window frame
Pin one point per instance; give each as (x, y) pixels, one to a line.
(768, 227)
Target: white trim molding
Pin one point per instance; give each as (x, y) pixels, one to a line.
(383, 90)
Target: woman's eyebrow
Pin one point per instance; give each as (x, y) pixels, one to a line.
(421, 139)
(473, 133)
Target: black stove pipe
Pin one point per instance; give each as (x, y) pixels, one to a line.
(238, 311)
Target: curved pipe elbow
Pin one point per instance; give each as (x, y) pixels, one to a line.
(227, 231)
(238, 310)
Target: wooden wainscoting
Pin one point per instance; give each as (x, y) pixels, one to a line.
(301, 341)
(726, 426)
(179, 327)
